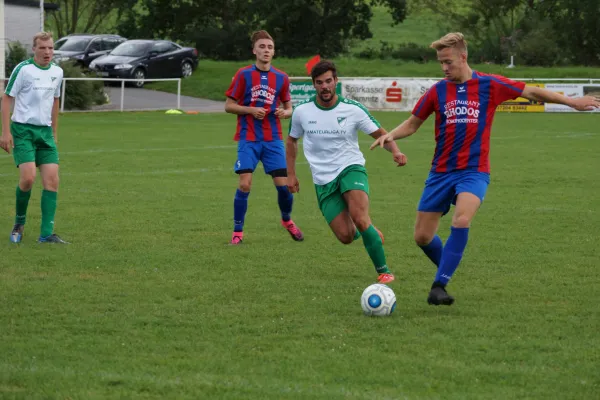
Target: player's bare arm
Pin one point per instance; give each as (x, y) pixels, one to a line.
(55, 106)
(405, 129)
(392, 147)
(6, 140)
(232, 107)
(291, 151)
(286, 111)
(585, 103)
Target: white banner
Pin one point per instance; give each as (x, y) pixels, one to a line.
(570, 90)
(387, 94)
(384, 94)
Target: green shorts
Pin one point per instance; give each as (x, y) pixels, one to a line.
(33, 143)
(329, 196)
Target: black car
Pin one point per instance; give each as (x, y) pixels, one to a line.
(83, 48)
(146, 59)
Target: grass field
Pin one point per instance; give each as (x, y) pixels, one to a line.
(148, 302)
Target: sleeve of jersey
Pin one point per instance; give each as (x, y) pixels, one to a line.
(284, 95)
(367, 123)
(14, 83)
(296, 130)
(425, 106)
(237, 87)
(57, 91)
(506, 89)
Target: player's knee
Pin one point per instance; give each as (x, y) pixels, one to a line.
(345, 238)
(423, 238)
(51, 183)
(461, 221)
(245, 185)
(362, 223)
(27, 180)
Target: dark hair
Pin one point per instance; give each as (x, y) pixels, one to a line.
(321, 67)
(256, 36)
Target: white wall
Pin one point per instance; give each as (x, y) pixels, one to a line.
(21, 24)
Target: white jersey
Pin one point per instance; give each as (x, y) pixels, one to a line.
(330, 135)
(34, 89)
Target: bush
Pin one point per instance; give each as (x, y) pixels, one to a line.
(537, 49)
(15, 53)
(81, 95)
(412, 52)
(404, 51)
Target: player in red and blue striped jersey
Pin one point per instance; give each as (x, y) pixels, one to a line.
(464, 104)
(260, 96)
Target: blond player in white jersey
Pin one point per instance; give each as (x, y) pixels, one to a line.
(328, 125)
(31, 133)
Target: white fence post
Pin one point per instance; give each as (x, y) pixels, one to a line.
(62, 96)
(179, 94)
(122, 94)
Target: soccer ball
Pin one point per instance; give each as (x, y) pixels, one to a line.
(379, 300)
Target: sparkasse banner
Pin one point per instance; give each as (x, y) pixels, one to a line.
(385, 94)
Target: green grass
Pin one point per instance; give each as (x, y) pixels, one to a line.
(420, 27)
(212, 78)
(149, 303)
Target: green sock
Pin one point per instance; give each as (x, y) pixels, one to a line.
(374, 247)
(22, 203)
(48, 211)
(356, 235)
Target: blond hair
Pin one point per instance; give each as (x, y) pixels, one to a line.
(41, 36)
(455, 40)
(256, 36)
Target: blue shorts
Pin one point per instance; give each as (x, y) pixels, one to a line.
(441, 189)
(271, 154)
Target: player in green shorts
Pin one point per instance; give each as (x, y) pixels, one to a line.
(329, 126)
(34, 85)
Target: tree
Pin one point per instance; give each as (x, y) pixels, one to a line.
(89, 16)
(221, 30)
(538, 32)
(576, 28)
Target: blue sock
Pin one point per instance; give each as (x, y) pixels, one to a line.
(285, 200)
(433, 250)
(452, 254)
(240, 206)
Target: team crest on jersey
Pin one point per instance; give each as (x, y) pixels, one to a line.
(342, 121)
(53, 78)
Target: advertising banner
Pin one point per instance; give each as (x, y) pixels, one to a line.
(521, 104)
(384, 94)
(571, 90)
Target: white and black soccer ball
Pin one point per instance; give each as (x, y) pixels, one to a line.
(379, 300)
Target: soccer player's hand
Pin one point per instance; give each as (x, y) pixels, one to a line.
(258, 113)
(293, 184)
(586, 103)
(400, 159)
(6, 142)
(282, 114)
(382, 140)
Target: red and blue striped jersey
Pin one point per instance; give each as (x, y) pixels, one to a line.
(253, 87)
(463, 119)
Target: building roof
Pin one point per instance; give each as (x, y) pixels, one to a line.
(33, 3)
